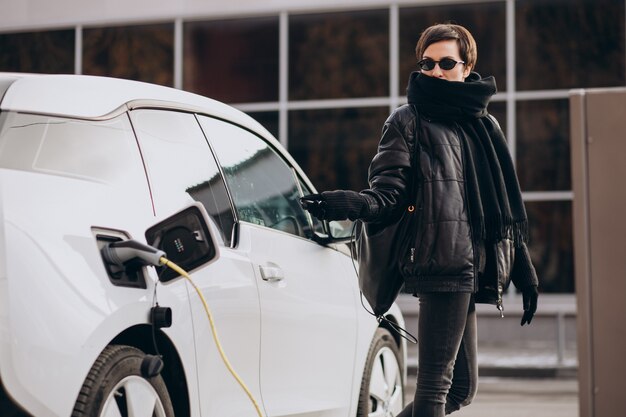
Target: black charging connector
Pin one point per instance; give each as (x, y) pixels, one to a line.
(161, 317)
(131, 252)
(151, 366)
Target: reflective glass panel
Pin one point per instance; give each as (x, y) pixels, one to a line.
(232, 60)
(339, 55)
(498, 110)
(181, 167)
(42, 52)
(269, 120)
(263, 186)
(101, 151)
(486, 22)
(335, 147)
(143, 53)
(569, 43)
(551, 244)
(543, 153)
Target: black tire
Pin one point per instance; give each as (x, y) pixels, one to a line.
(383, 365)
(114, 378)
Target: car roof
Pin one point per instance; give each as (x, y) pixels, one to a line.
(94, 97)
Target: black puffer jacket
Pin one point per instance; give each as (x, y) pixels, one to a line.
(443, 257)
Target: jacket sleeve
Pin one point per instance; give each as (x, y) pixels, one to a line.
(523, 273)
(389, 171)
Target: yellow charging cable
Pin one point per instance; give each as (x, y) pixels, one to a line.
(181, 271)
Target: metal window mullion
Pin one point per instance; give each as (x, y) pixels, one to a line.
(511, 111)
(78, 50)
(548, 195)
(542, 95)
(339, 103)
(314, 104)
(394, 55)
(283, 77)
(510, 93)
(178, 53)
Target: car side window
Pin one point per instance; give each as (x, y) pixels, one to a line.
(318, 227)
(263, 187)
(102, 151)
(181, 167)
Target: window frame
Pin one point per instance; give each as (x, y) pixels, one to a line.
(194, 115)
(234, 237)
(297, 176)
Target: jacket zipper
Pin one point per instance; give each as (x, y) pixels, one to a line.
(499, 303)
(419, 189)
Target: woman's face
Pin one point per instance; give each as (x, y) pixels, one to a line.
(446, 49)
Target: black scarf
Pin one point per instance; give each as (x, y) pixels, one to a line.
(495, 200)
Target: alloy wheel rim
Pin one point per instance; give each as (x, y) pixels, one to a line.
(133, 396)
(385, 390)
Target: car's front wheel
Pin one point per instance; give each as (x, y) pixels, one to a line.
(115, 387)
(382, 389)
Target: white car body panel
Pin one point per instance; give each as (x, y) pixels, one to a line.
(308, 325)
(73, 95)
(232, 296)
(58, 301)
(59, 309)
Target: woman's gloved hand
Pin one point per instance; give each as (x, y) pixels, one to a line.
(314, 204)
(530, 296)
(335, 205)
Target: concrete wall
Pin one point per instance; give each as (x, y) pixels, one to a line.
(545, 348)
(39, 14)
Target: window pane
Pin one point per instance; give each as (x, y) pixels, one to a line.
(44, 52)
(569, 43)
(335, 147)
(269, 120)
(551, 247)
(339, 55)
(181, 167)
(315, 222)
(232, 60)
(543, 155)
(263, 186)
(498, 110)
(100, 151)
(143, 53)
(486, 22)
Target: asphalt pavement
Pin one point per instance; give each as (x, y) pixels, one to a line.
(518, 397)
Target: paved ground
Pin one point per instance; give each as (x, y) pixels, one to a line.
(519, 397)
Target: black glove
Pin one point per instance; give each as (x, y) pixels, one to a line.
(530, 295)
(335, 205)
(314, 204)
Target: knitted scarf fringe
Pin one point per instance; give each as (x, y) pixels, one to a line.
(496, 228)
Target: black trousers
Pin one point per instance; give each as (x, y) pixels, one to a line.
(447, 375)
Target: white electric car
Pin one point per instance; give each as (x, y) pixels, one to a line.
(89, 161)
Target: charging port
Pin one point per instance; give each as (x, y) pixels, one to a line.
(130, 275)
(186, 239)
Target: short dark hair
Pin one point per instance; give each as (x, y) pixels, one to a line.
(449, 31)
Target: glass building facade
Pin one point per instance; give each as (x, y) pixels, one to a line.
(324, 82)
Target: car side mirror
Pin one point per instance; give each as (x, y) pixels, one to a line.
(186, 239)
(340, 231)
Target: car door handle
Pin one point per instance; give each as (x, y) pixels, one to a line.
(271, 273)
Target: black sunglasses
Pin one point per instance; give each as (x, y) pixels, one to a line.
(445, 64)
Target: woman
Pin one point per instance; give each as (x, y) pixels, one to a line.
(473, 228)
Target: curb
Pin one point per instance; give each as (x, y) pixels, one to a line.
(561, 372)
